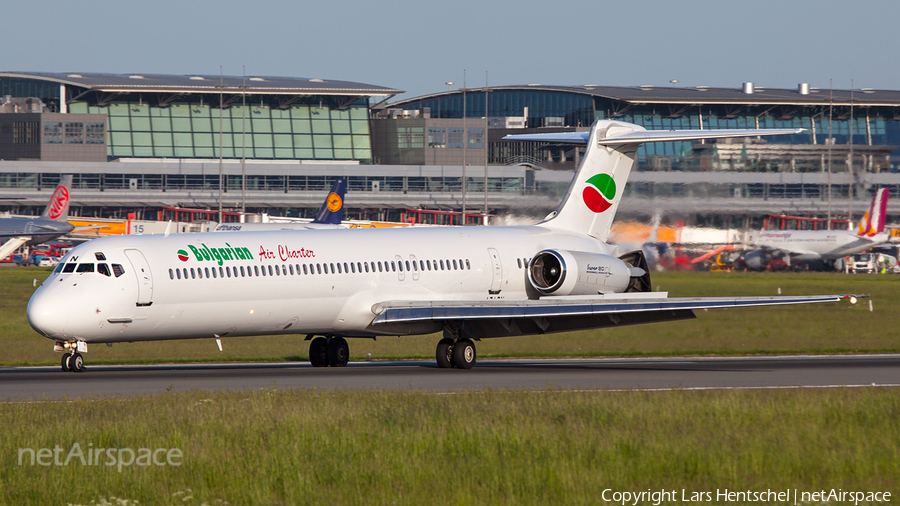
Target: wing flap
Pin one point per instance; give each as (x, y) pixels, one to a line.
(417, 311)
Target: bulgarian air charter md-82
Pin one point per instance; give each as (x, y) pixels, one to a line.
(469, 282)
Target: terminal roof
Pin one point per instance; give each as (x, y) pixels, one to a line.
(197, 83)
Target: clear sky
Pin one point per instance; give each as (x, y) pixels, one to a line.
(419, 45)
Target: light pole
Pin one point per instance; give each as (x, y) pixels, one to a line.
(449, 85)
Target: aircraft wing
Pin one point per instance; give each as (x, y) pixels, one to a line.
(557, 314)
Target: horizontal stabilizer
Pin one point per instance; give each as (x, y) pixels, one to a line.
(651, 136)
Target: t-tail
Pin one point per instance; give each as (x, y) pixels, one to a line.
(873, 221)
(594, 194)
(332, 211)
(58, 207)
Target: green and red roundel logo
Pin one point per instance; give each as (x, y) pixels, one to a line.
(599, 192)
(183, 255)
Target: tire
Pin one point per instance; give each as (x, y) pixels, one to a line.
(318, 352)
(65, 362)
(338, 352)
(464, 354)
(445, 353)
(76, 363)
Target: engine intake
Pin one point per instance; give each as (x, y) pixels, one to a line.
(562, 272)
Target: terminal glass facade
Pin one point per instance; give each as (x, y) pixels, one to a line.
(305, 131)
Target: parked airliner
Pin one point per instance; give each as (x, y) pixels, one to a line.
(52, 223)
(811, 245)
(329, 216)
(469, 282)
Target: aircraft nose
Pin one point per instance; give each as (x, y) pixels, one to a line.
(48, 313)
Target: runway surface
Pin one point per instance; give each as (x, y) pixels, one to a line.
(23, 383)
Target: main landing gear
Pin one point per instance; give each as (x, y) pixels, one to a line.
(329, 350)
(460, 354)
(72, 362)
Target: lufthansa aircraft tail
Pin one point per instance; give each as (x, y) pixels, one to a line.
(873, 221)
(332, 211)
(58, 207)
(595, 192)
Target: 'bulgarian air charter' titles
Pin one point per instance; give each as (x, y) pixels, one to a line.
(204, 253)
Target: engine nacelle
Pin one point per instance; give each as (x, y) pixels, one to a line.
(561, 272)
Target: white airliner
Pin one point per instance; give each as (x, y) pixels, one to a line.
(807, 245)
(469, 282)
(813, 245)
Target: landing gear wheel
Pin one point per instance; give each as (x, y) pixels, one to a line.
(76, 363)
(65, 362)
(318, 355)
(338, 352)
(464, 354)
(445, 353)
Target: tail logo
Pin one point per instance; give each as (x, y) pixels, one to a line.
(599, 192)
(58, 202)
(334, 202)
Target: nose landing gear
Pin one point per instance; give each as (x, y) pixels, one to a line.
(73, 362)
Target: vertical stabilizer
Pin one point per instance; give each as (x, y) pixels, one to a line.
(875, 222)
(58, 207)
(595, 192)
(332, 211)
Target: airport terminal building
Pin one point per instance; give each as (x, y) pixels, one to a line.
(137, 142)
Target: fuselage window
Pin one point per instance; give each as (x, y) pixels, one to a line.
(256, 270)
(171, 273)
(468, 265)
(442, 264)
(200, 273)
(338, 268)
(85, 268)
(193, 274)
(228, 271)
(359, 267)
(104, 269)
(221, 272)
(206, 271)
(399, 265)
(332, 269)
(414, 266)
(454, 264)
(428, 264)
(519, 262)
(70, 268)
(242, 271)
(291, 268)
(373, 266)
(421, 265)
(185, 271)
(346, 270)
(304, 270)
(318, 268)
(178, 273)
(393, 267)
(277, 271)
(460, 264)
(379, 266)
(214, 272)
(270, 270)
(366, 264)
(352, 267)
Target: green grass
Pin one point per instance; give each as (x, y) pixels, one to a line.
(495, 447)
(820, 328)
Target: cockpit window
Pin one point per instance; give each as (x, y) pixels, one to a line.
(99, 256)
(118, 270)
(59, 268)
(103, 269)
(85, 268)
(70, 267)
